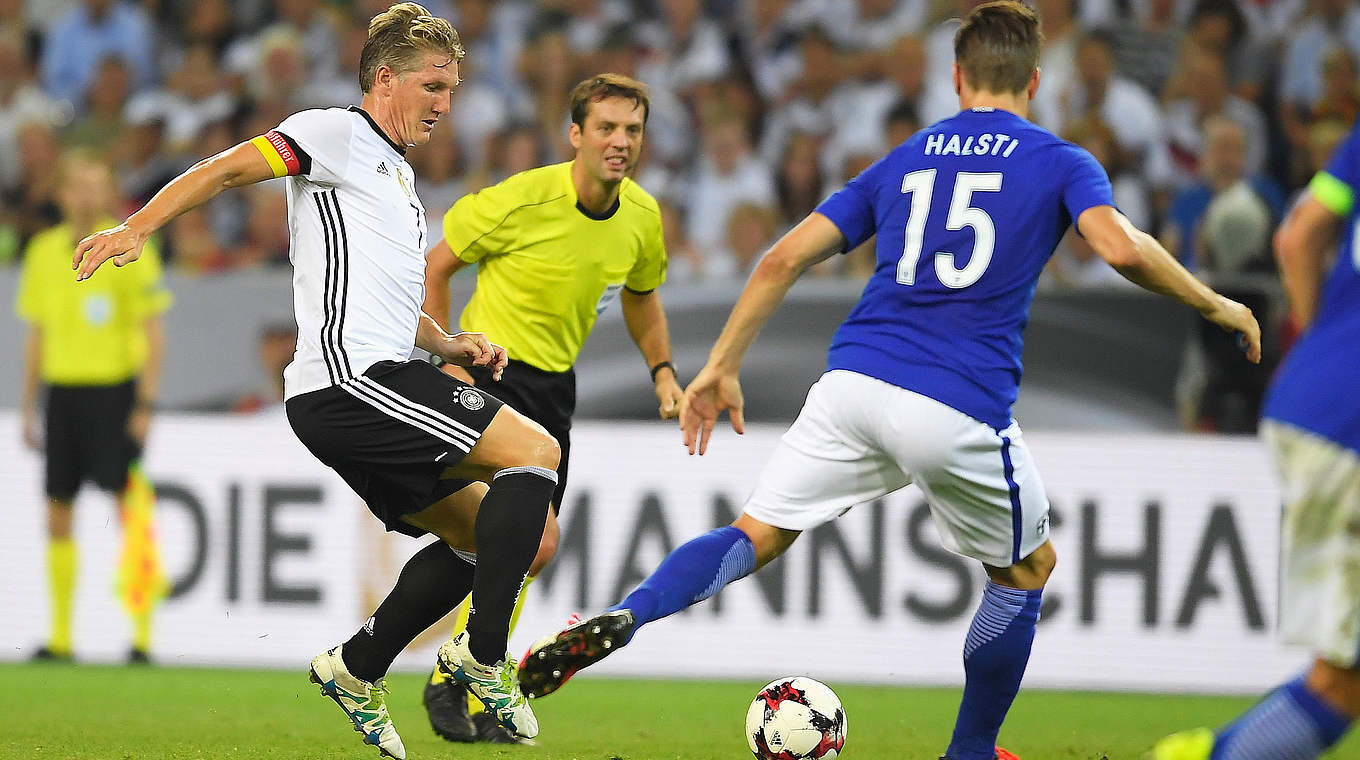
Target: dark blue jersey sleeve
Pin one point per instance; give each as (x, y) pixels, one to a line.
(1345, 162)
(851, 208)
(1087, 185)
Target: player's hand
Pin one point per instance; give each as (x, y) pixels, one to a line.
(669, 394)
(1233, 317)
(121, 243)
(31, 432)
(711, 393)
(472, 349)
(139, 424)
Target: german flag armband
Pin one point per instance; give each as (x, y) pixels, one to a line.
(283, 154)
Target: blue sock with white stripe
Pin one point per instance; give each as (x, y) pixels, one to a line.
(692, 573)
(994, 659)
(1291, 723)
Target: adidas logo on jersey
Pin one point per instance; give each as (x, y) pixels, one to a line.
(382, 169)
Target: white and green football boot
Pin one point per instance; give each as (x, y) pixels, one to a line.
(363, 702)
(497, 686)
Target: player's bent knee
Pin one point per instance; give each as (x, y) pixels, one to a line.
(768, 541)
(1338, 685)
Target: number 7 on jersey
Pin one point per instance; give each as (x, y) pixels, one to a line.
(921, 185)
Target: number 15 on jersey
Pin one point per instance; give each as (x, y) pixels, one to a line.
(921, 185)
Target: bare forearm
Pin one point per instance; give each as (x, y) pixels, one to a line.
(149, 381)
(1154, 269)
(440, 266)
(234, 167)
(766, 289)
(429, 335)
(32, 362)
(646, 321)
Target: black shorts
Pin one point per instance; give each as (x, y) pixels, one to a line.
(392, 432)
(86, 437)
(548, 398)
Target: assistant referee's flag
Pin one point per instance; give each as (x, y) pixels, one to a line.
(141, 578)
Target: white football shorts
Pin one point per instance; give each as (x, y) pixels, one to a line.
(858, 438)
(1319, 549)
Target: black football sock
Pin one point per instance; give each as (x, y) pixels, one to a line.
(509, 527)
(433, 582)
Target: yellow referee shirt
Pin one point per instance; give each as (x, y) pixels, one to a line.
(546, 268)
(93, 332)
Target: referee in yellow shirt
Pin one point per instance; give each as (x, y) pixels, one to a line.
(554, 246)
(95, 347)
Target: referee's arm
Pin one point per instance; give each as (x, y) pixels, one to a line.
(440, 265)
(646, 321)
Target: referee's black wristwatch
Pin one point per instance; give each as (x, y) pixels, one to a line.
(663, 365)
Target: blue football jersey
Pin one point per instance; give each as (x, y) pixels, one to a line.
(1317, 387)
(967, 212)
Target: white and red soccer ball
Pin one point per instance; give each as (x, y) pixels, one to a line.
(796, 718)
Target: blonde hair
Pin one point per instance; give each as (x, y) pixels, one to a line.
(399, 35)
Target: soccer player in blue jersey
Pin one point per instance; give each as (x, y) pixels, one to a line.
(922, 375)
(1312, 429)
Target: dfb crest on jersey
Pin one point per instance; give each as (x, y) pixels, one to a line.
(471, 399)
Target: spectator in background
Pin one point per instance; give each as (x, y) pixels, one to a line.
(1207, 94)
(547, 67)
(1218, 26)
(767, 33)
(21, 101)
(440, 180)
(896, 78)
(33, 198)
(901, 122)
(800, 185)
(1121, 105)
(13, 22)
(95, 348)
(817, 101)
(86, 36)
(750, 230)
(873, 25)
(728, 174)
(195, 94)
(275, 351)
(100, 125)
(1332, 23)
(1146, 40)
(686, 48)
(684, 262)
(194, 248)
(314, 28)
(1340, 99)
(1222, 166)
(141, 164)
(1219, 390)
(265, 242)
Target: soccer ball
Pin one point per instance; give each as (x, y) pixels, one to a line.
(795, 718)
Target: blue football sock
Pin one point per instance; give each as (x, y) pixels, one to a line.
(1291, 723)
(994, 659)
(692, 573)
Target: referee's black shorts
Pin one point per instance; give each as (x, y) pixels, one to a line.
(548, 398)
(86, 437)
(392, 432)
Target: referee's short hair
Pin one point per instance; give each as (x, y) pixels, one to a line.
(399, 35)
(603, 86)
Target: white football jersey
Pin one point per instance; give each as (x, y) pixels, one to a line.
(357, 234)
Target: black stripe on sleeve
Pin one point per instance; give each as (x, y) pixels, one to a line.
(304, 160)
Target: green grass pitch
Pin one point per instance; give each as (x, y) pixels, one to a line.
(118, 713)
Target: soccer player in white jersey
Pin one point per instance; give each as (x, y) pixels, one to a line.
(1311, 424)
(420, 447)
(922, 375)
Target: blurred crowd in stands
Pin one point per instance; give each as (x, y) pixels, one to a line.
(1208, 114)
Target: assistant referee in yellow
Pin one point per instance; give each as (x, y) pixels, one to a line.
(95, 349)
(554, 246)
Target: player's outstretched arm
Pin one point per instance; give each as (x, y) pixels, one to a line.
(716, 388)
(234, 167)
(1142, 260)
(1301, 246)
